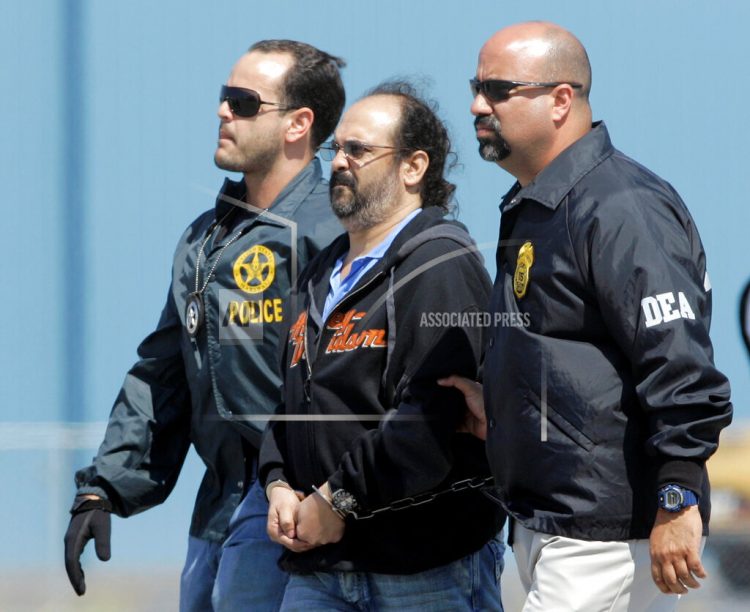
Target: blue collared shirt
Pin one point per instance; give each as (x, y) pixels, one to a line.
(338, 287)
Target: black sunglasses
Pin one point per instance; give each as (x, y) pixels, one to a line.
(497, 90)
(353, 149)
(245, 102)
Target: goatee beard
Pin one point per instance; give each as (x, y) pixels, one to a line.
(494, 148)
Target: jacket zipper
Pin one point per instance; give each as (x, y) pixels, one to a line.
(307, 385)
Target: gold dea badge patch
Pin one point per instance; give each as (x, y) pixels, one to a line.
(523, 269)
(254, 270)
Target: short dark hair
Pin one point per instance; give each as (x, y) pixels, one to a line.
(313, 82)
(420, 129)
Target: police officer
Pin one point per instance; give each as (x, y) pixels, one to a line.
(603, 406)
(212, 354)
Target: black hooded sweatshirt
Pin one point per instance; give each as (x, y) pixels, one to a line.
(373, 420)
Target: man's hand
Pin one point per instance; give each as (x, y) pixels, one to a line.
(317, 523)
(675, 550)
(283, 506)
(475, 420)
(85, 524)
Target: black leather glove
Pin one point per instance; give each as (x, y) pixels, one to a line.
(91, 519)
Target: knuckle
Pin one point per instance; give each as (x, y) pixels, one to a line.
(286, 522)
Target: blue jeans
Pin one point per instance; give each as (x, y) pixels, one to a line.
(471, 583)
(248, 576)
(199, 574)
(240, 574)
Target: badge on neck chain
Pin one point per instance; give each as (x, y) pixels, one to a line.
(195, 309)
(194, 314)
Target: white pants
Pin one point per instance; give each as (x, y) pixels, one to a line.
(564, 575)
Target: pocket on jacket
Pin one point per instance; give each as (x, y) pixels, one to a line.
(561, 423)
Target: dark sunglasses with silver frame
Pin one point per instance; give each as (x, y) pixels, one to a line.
(246, 102)
(497, 90)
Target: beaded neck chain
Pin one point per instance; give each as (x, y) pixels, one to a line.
(195, 310)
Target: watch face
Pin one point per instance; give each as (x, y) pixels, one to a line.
(344, 501)
(672, 498)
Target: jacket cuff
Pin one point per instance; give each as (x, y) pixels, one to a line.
(84, 504)
(336, 481)
(92, 490)
(89, 483)
(685, 473)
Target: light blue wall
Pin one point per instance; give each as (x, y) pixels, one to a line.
(669, 79)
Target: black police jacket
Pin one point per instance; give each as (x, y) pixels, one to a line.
(600, 384)
(182, 389)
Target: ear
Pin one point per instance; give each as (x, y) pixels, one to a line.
(414, 167)
(562, 101)
(299, 124)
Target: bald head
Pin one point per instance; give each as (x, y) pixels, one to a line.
(544, 52)
(524, 127)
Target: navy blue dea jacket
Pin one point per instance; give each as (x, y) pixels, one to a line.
(388, 431)
(600, 387)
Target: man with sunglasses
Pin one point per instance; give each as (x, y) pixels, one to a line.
(391, 517)
(603, 407)
(212, 358)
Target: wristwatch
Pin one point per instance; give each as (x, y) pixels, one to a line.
(342, 502)
(674, 498)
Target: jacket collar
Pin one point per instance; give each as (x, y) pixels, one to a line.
(430, 216)
(317, 281)
(285, 204)
(557, 179)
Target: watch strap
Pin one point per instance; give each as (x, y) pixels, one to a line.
(689, 498)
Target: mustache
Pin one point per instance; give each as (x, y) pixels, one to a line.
(487, 122)
(341, 178)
